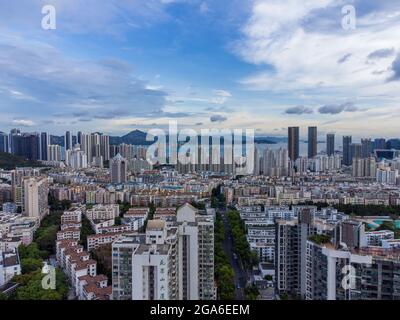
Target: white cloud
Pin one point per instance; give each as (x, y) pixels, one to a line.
(86, 16)
(23, 123)
(35, 85)
(221, 96)
(204, 7)
(287, 37)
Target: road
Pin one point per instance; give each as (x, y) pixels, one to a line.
(239, 274)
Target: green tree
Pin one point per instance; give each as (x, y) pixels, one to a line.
(386, 225)
(46, 240)
(31, 287)
(251, 293)
(86, 231)
(31, 251)
(104, 260)
(3, 296)
(29, 265)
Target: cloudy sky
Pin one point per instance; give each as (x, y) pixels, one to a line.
(119, 65)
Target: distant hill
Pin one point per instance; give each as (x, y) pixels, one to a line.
(10, 162)
(270, 140)
(135, 137)
(261, 140)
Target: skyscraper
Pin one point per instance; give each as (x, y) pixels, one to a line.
(54, 153)
(293, 143)
(35, 193)
(380, 144)
(79, 137)
(195, 254)
(68, 141)
(330, 144)
(312, 142)
(366, 148)
(347, 161)
(274, 163)
(105, 147)
(118, 168)
(3, 142)
(122, 251)
(174, 261)
(11, 142)
(26, 145)
(44, 143)
(355, 151)
(76, 158)
(86, 146)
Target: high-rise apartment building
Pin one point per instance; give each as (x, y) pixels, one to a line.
(364, 167)
(347, 150)
(275, 163)
(293, 143)
(154, 268)
(312, 142)
(351, 270)
(35, 197)
(26, 145)
(105, 147)
(119, 169)
(11, 140)
(174, 260)
(355, 151)
(76, 158)
(54, 152)
(367, 148)
(86, 146)
(291, 238)
(380, 144)
(17, 184)
(122, 252)
(195, 254)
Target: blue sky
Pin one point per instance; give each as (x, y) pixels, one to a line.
(119, 65)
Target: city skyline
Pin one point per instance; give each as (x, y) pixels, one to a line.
(222, 153)
(128, 66)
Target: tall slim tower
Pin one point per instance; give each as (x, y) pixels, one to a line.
(347, 150)
(4, 142)
(355, 151)
(118, 167)
(68, 141)
(312, 142)
(366, 148)
(44, 143)
(13, 132)
(79, 137)
(330, 144)
(293, 143)
(105, 147)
